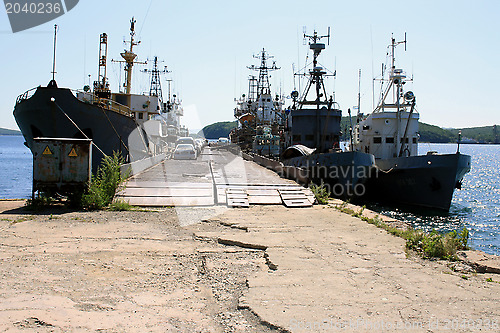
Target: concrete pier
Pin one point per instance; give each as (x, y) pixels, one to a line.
(263, 268)
(216, 177)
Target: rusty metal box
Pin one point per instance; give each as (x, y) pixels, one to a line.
(61, 164)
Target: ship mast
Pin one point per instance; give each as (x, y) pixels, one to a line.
(128, 57)
(155, 87)
(101, 86)
(263, 86)
(54, 57)
(316, 78)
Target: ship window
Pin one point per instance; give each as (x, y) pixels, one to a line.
(406, 141)
(296, 138)
(377, 139)
(389, 140)
(141, 116)
(414, 140)
(366, 127)
(309, 137)
(326, 138)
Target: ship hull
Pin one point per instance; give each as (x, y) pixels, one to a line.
(343, 173)
(56, 113)
(421, 181)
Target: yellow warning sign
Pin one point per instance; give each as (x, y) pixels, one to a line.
(73, 152)
(47, 151)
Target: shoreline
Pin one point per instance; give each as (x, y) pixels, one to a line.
(366, 213)
(257, 269)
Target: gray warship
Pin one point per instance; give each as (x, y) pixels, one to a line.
(312, 136)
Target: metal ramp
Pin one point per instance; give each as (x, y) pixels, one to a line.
(294, 198)
(237, 197)
(243, 195)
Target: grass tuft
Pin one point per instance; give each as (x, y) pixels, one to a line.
(321, 193)
(120, 206)
(39, 202)
(428, 245)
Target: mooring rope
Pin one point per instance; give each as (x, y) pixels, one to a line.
(69, 118)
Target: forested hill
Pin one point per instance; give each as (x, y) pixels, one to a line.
(428, 133)
(5, 131)
(218, 130)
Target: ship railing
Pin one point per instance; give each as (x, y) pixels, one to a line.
(105, 103)
(25, 95)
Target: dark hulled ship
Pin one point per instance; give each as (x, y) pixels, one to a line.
(114, 121)
(313, 136)
(390, 133)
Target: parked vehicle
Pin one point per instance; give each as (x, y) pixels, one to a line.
(222, 141)
(185, 151)
(185, 140)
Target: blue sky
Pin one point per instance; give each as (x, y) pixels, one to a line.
(452, 51)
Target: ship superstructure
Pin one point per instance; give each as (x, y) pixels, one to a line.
(392, 129)
(390, 133)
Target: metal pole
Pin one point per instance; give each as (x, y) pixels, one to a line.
(54, 58)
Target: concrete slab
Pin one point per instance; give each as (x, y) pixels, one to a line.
(330, 271)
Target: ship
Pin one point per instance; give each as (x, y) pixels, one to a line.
(390, 133)
(259, 114)
(164, 128)
(119, 122)
(312, 136)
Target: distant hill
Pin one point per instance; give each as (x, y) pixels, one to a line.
(5, 131)
(428, 133)
(436, 134)
(218, 130)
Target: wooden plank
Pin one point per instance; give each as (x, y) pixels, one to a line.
(265, 200)
(163, 184)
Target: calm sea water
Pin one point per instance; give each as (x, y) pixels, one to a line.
(476, 206)
(16, 168)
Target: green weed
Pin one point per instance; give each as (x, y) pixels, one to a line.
(39, 202)
(428, 245)
(120, 206)
(104, 184)
(321, 193)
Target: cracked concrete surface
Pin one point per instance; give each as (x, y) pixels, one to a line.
(329, 271)
(119, 272)
(260, 269)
